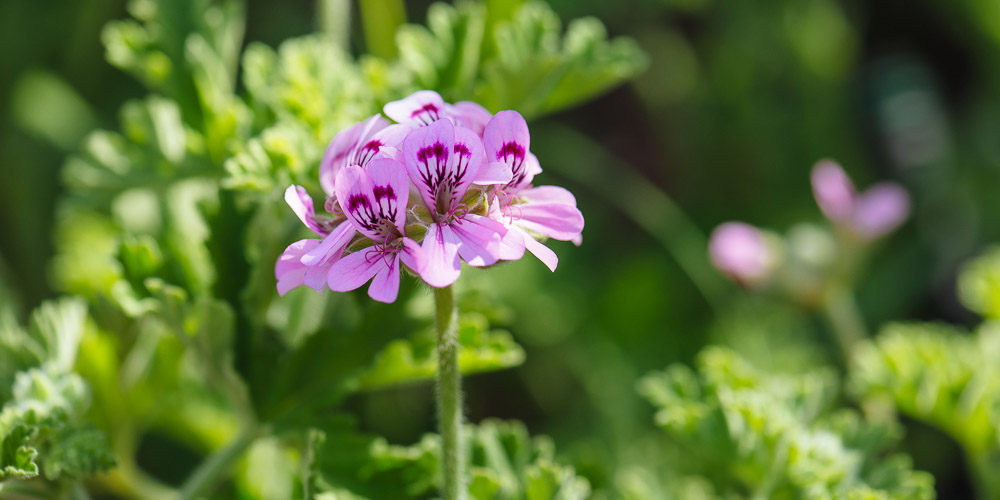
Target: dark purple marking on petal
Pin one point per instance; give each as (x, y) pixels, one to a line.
(426, 114)
(513, 153)
(367, 152)
(432, 176)
(383, 192)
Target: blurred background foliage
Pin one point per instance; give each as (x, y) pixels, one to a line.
(151, 187)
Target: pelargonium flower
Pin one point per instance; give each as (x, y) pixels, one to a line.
(869, 215)
(741, 252)
(374, 199)
(549, 211)
(476, 202)
(443, 162)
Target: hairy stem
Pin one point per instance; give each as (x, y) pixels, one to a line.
(449, 395)
(380, 18)
(210, 471)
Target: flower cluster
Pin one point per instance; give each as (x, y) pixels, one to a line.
(750, 256)
(445, 183)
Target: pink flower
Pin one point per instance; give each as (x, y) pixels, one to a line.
(547, 211)
(426, 106)
(740, 251)
(375, 199)
(443, 161)
(437, 151)
(874, 213)
(307, 262)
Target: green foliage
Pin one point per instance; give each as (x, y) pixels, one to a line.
(979, 285)
(481, 350)
(504, 463)
(945, 376)
(751, 433)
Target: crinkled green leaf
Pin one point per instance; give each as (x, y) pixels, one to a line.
(415, 359)
(538, 70)
(445, 54)
(745, 429)
(505, 463)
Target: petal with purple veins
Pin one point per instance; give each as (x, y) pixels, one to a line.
(421, 108)
(390, 190)
(427, 153)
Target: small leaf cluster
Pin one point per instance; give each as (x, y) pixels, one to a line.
(747, 433)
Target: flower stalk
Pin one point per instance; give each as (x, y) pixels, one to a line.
(449, 395)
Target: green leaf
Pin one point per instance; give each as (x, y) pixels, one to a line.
(416, 359)
(538, 71)
(17, 453)
(505, 463)
(745, 429)
(445, 54)
(979, 284)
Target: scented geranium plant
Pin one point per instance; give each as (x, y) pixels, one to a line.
(471, 175)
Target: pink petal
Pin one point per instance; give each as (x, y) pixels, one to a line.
(880, 209)
(390, 189)
(506, 139)
(471, 116)
(421, 108)
(740, 251)
(316, 276)
(440, 248)
(833, 190)
(427, 153)
(301, 203)
(289, 271)
(331, 247)
(496, 172)
(479, 240)
(290, 280)
(354, 270)
(547, 194)
(385, 285)
(544, 253)
(413, 256)
(289, 259)
(555, 220)
(512, 244)
(344, 146)
(466, 163)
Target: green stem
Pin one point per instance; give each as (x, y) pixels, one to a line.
(848, 327)
(380, 19)
(208, 473)
(449, 395)
(335, 20)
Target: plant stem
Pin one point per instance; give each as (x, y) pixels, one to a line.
(335, 20)
(207, 474)
(449, 395)
(380, 18)
(848, 327)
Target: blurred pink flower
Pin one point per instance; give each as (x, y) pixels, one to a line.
(740, 251)
(869, 215)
